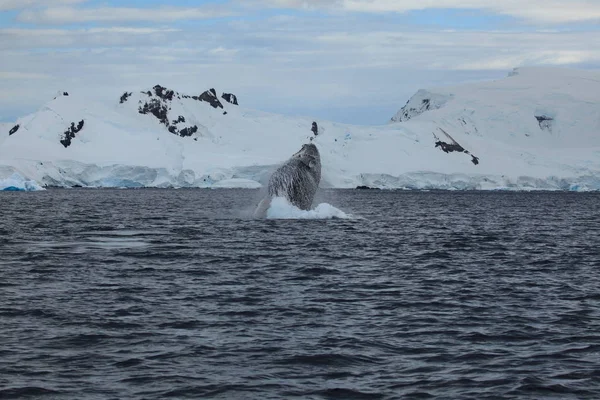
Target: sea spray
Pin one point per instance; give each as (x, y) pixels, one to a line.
(282, 209)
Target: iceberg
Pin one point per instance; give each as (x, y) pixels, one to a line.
(17, 183)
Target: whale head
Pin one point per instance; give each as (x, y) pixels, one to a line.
(309, 155)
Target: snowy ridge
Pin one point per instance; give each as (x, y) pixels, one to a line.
(537, 129)
(5, 128)
(421, 102)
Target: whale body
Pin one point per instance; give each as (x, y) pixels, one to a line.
(297, 180)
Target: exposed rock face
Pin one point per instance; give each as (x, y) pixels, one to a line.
(315, 128)
(545, 122)
(163, 92)
(188, 131)
(14, 130)
(230, 98)
(181, 118)
(58, 94)
(159, 105)
(421, 102)
(156, 108)
(452, 146)
(449, 147)
(69, 134)
(210, 96)
(124, 97)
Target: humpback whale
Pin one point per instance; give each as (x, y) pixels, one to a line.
(296, 180)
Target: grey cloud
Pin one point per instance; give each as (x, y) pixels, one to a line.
(67, 15)
(22, 39)
(540, 11)
(6, 5)
(286, 64)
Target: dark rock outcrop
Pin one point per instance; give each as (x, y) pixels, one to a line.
(124, 97)
(159, 106)
(363, 187)
(156, 108)
(315, 128)
(230, 98)
(65, 93)
(210, 96)
(188, 131)
(163, 92)
(419, 103)
(545, 122)
(14, 130)
(453, 146)
(449, 147)
(69, 134)
(409, 111)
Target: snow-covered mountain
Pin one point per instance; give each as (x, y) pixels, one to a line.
(536, 129)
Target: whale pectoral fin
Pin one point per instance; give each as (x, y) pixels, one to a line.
(263, 206)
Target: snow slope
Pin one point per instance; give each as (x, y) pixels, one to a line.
(536, 129)
(5, 127)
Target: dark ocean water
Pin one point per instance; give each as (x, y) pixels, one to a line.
(154, 294)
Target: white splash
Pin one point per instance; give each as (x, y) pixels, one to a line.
(282, 209)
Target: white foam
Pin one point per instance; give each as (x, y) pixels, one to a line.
(282, 209)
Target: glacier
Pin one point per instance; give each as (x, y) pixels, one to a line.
(12, 181)
(536, 129)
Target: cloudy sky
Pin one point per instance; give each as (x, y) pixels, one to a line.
(354, 61)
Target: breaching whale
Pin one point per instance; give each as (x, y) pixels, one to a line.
(297, 180)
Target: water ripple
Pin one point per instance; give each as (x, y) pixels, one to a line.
(155, 294)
